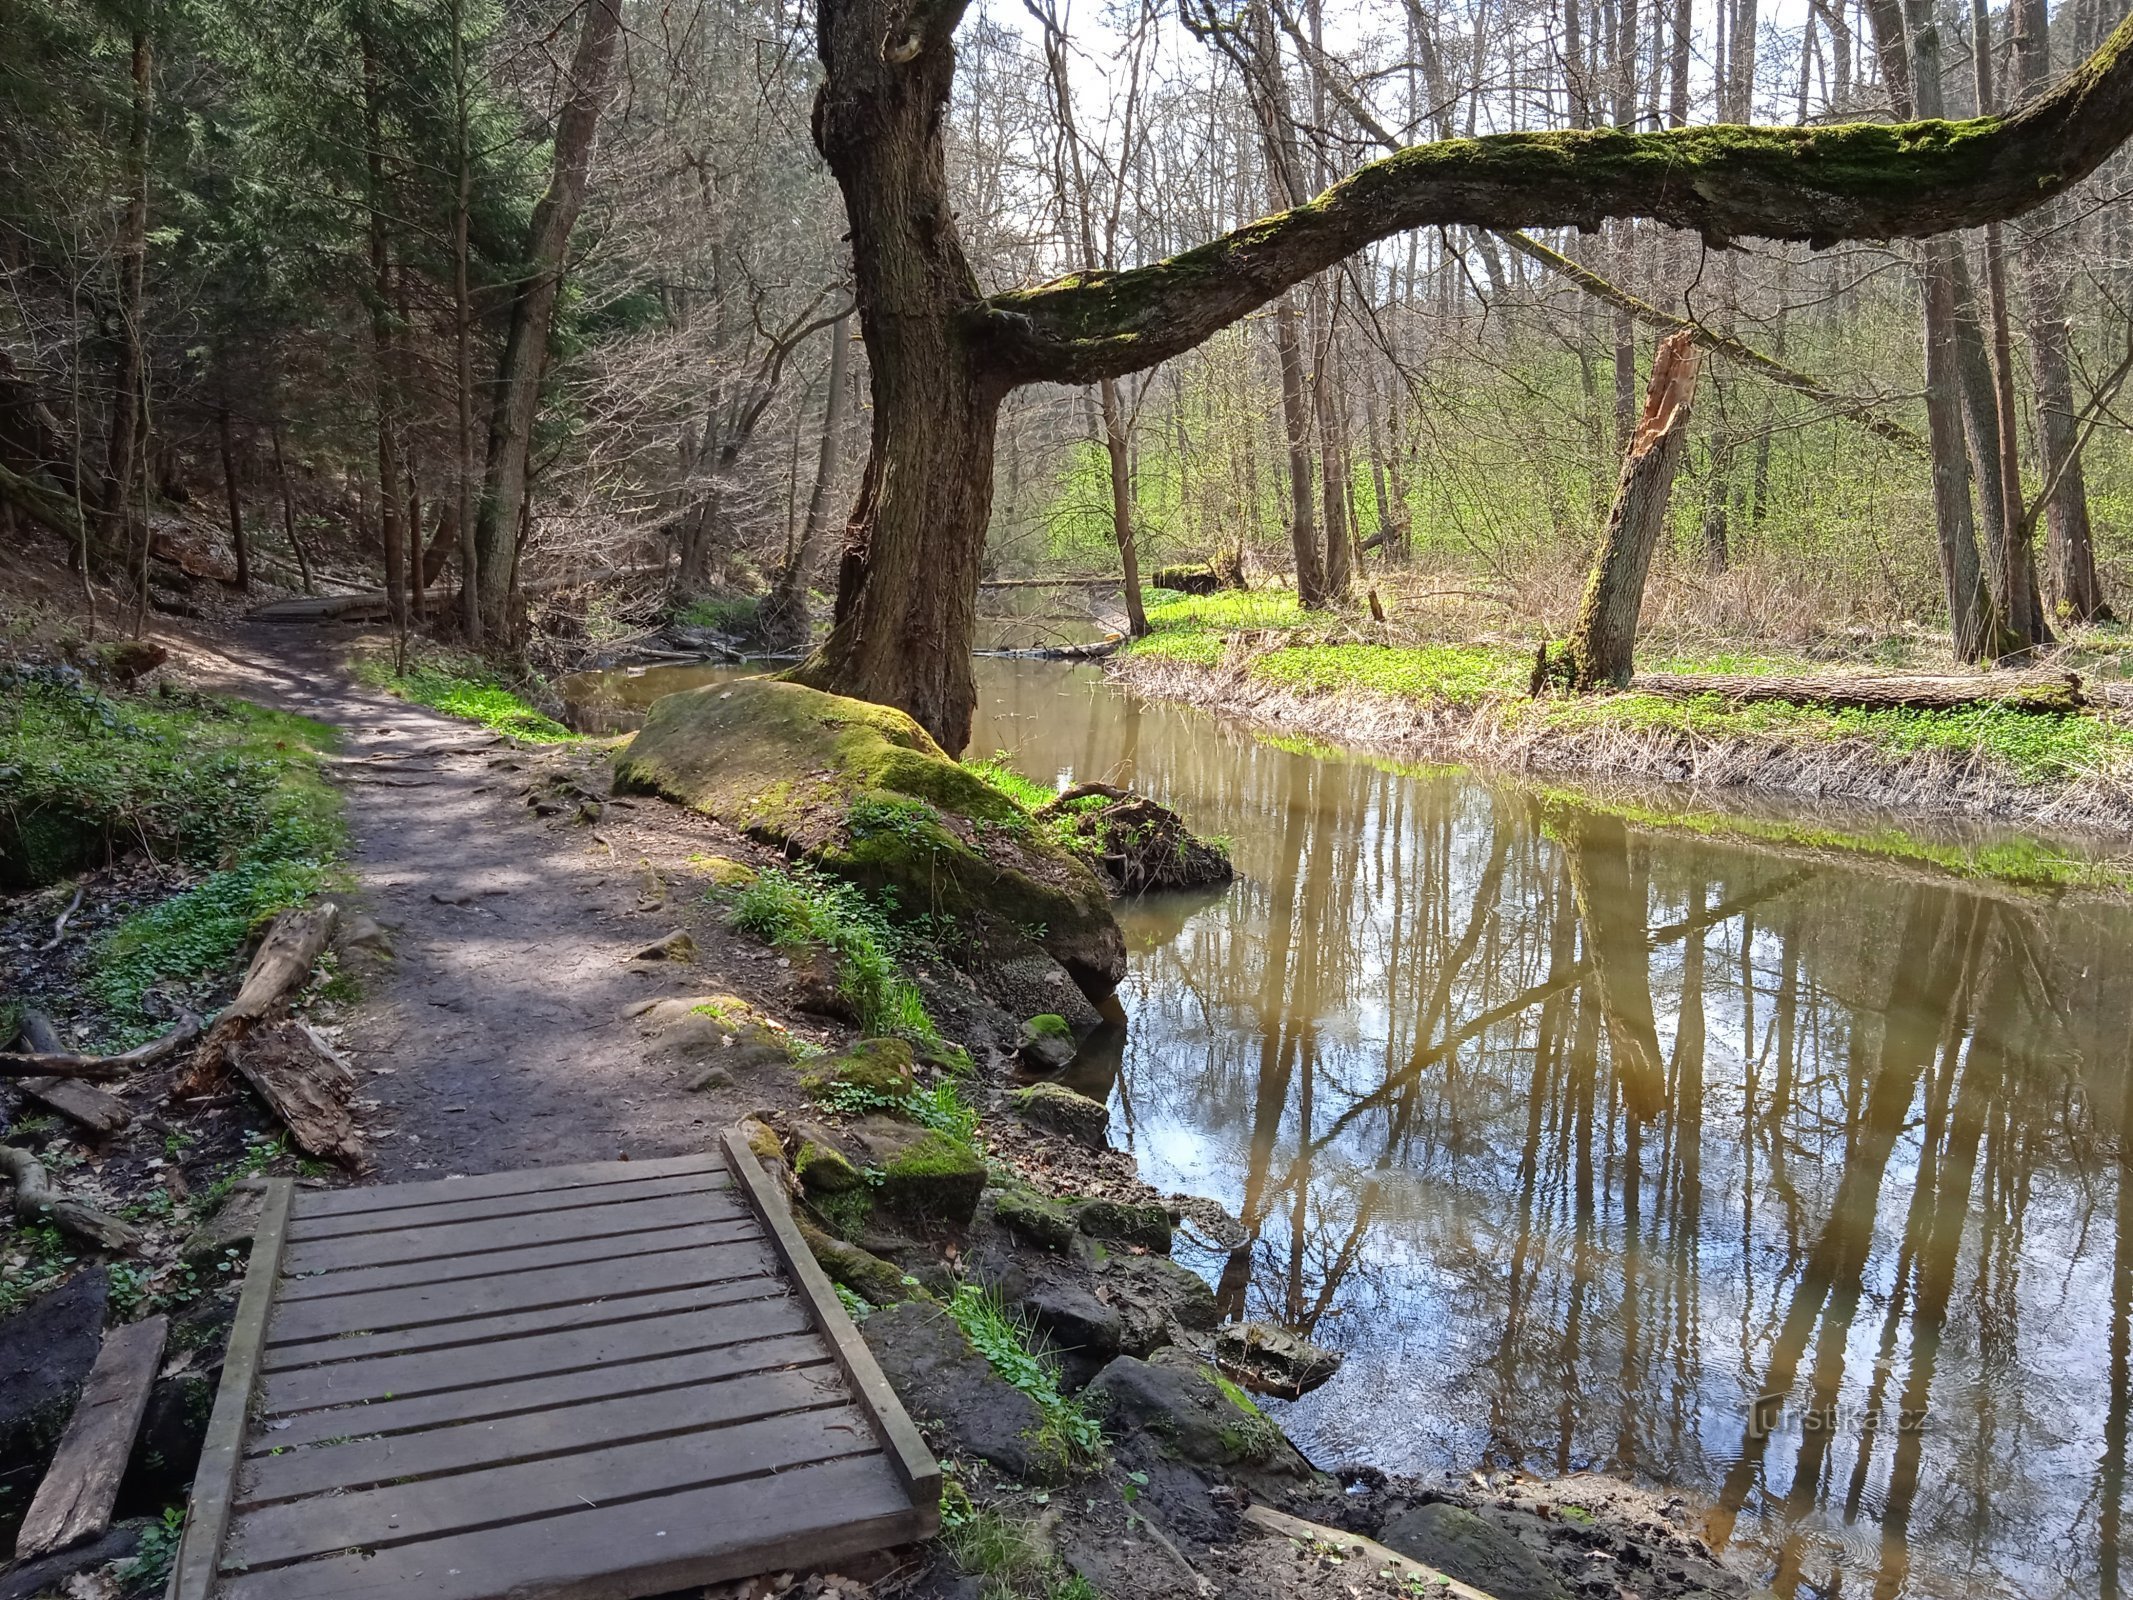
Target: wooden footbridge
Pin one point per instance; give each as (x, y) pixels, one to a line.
(596, 1382)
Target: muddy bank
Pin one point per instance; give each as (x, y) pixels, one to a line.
(1926, 784)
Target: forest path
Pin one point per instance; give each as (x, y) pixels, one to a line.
(498, 1035)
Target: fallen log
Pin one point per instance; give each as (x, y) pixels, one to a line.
(27, 1580)
(367, 606)
(284, 960)
(55, 1063)
(308, 1086)
(37, 1201)
(95, 1110)
(2047, 693)
(74, 1502)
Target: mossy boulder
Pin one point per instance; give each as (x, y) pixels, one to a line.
(1060, 1110)
(725, 872)
(1044, 1223)
(921, 1173)
(1122, 1222)
(1197, 1415)
(721, 1028)
(1047, 1042)
(860, 1271)
(822, 1168)
(874, 1066)
(862, 791)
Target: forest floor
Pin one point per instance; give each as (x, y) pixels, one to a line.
(1436, 684)
(499, 1010)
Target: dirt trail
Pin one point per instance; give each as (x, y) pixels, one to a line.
(498, 1036)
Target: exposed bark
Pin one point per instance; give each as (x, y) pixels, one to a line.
(525, 358)
(384, 369)
(102, 1114)
(2047, 693)
(1602, 644)
(282, 963)
(37, 1201)
(45, 1058)
(308, 1087)
(1119, 461)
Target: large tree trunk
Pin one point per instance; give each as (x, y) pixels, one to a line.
(1311, 587)
(907, 590)
(1604, 640)
(1115, 450)
(122, 450)
(518, 379)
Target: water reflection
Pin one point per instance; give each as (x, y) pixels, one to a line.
(1798, 1185)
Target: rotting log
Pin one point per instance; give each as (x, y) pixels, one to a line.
(368, 606)
(1602, 644)
(284, 960)
(73, 1504)
(2048, 693)
(308, 1086)
(37, 1201)
(93, 1109)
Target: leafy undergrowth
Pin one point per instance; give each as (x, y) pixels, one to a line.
(799, 908)
(228, 789)
(1068, 1439)
(1321, 653)
(462, 687)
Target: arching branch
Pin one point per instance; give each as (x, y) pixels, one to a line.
(1858, 181)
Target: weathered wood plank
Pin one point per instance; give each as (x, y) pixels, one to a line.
(899, 1436)
(200, 1548)
(533, 1180)
(799, 1518)
(452, 1214)
(485, 1297)
(409, 1414)
(612, 1219)
(297, 1290)
(344, 1383)
(78, 1102)
(73, 1503)
(400, 1513)
(516, 1324)
(552, 1430)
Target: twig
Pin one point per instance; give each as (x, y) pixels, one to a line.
(59, 928)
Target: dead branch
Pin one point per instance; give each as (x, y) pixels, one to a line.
(59, 928)
(55, 1063)
(308, 1086)
(284, 960)
(37, 1201)
(100, 1113)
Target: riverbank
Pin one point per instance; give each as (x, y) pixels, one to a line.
(1909, 778)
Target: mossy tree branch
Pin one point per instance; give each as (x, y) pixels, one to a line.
(1822, 185)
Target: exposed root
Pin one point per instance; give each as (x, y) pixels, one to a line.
(37, 1201)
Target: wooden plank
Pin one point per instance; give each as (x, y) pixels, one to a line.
(443, 1214)
(447, 1406)
(73, 1503)
(907, 1452)
(609, 1220)
(525, 1180)
(526, 1259)
(1419, 1576)
(530, 1291)
(806, 1517)
(345, 1383)
(79, 1102)
(402, 1513)
(552, 1430)
(199, 1549)
(513, 1325)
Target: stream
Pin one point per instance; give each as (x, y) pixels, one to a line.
(1790, 1182)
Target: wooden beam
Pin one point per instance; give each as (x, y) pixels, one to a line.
(73, 1503)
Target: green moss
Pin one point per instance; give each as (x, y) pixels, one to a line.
(845, 1212)
(873, 1067)
(860, 1271)
(1043, 1222)
(998, 771)
(1122, 1222)
(464, 687)
(936, 1175)
(823, 1169)
(1048, 1025)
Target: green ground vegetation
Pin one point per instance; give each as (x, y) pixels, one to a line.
(1069, 1440)
(230, 790)
(464, 687)
(798, 908)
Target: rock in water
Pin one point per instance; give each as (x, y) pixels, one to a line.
(1273, 1360)
(1060, 1110)
(1137, 845)
(1046, 1043)
(862, 791)
(1472, 1549)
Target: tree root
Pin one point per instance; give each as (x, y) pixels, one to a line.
(37, 1201)
(101, 1069)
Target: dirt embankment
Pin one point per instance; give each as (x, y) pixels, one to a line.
(1926, 781)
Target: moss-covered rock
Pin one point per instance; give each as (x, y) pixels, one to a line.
(1059, 1109)
(879, 1067)
(721, 1028)
(860, 1271)
(936, 1176)
(1199, 1415)
(1121, 1222)
(863, 792)
(1044, 1223)
(725, 872)
(824, 1169)
(1047, 1042)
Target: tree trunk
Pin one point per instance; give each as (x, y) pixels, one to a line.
(907, 589)
(518, 379)
(1311, 587)
(463, 338)
(1332, 470)
(1603, 643)
(1115, 449)
(383, 374)
(122, 449)
(229, 488)
(288, 512)
(1973, 620)
(785, 624)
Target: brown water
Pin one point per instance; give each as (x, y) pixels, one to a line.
(1795, 1185)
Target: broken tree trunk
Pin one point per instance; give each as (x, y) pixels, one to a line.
(2051, 693)
(284, 960)
(95, 1110)
(1602, 643)
(74, 1502)
(37, 1201)
(308, 1086)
